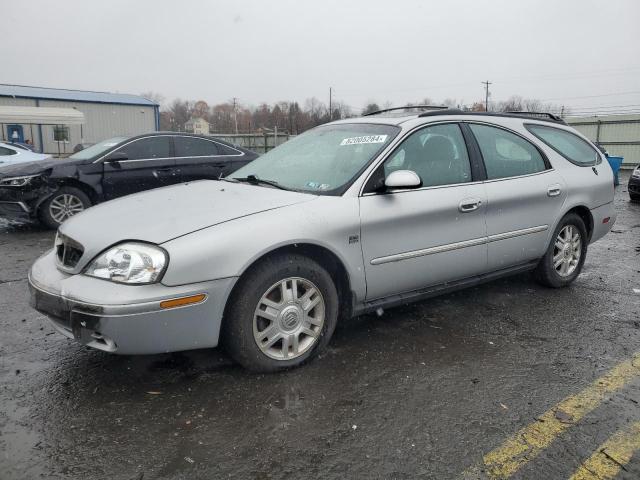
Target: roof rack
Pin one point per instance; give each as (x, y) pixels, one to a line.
(544, 116)
(431, 107)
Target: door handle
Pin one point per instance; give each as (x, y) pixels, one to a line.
(469, 205)
(161, 171)
(554, 191)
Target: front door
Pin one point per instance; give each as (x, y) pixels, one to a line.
(525, 197)
(412, 239)
(144, 164)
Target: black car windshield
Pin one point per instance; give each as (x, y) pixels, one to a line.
(97, 149)
(324, 160)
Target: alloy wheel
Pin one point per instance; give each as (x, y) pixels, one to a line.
(567, 251)
(65, 206)
(289, 318)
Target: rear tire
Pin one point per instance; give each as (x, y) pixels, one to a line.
(562, 263)
(63, 204)
(634, 197)
(282, 313)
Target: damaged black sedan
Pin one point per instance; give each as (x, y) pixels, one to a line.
(53, 190)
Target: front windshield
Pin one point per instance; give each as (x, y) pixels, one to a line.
(97, 149)
(323, 160)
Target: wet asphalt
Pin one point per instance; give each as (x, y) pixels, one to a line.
(423, 391)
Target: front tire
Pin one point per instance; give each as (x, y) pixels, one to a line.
(282, 313)
(562, 263)
(63, 204)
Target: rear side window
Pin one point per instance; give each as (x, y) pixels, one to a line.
(194, 147)
(570, 146)
(147, 148)
(224, 150)
(505, 154)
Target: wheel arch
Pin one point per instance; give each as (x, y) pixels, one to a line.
(324, 256)
(70, 182)
(585, 214)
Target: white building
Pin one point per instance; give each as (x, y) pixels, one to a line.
(198, 126)
(106, 115)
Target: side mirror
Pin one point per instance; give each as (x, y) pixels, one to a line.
(116, 157)
(401, 179)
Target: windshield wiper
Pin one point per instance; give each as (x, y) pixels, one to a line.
(254, 180)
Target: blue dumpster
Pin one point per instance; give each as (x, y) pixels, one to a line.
(615, 163)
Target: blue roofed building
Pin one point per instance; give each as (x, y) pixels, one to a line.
(106, 115)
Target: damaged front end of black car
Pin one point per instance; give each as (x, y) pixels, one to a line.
(21, 195)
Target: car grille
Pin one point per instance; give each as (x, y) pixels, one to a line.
(68, 251)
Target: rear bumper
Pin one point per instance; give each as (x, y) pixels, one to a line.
(602, 226)
(127, 319)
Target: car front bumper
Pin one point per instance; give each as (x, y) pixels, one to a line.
(127, 319)
(20, 202)
(15, 210)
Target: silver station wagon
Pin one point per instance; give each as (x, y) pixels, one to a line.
(351, 217)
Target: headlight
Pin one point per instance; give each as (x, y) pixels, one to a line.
(17, 181)
(130, 262)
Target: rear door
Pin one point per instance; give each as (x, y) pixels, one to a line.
(525, 196)
(145, 163)
(412, 239)
(199, 158)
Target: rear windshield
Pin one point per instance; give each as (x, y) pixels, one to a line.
(570, 146)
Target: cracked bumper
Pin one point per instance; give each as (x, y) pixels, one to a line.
(127, 319)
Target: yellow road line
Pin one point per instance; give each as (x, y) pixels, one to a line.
(611, 456)
(526, 444)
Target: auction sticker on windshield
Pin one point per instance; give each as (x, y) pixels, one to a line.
(364, 139)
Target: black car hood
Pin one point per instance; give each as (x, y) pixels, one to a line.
(39, 166)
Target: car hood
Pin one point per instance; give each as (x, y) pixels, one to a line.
(16, 169)
(26, 157)
(163, 214)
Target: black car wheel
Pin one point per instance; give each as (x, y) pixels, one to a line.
(63, 204)
(282, 313)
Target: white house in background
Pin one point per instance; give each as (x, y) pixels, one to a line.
(198, 126)
(106, 115)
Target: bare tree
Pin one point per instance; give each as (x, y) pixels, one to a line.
(154, 97)
(370, 108)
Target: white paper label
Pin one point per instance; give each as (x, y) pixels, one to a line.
(364, 139)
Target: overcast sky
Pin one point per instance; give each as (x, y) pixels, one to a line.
(581, 53)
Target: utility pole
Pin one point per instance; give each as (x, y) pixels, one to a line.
(235, 113)
(486, 95)
(330, 107)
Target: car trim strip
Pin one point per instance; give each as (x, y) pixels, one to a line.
(516, 233)
(457, 245)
